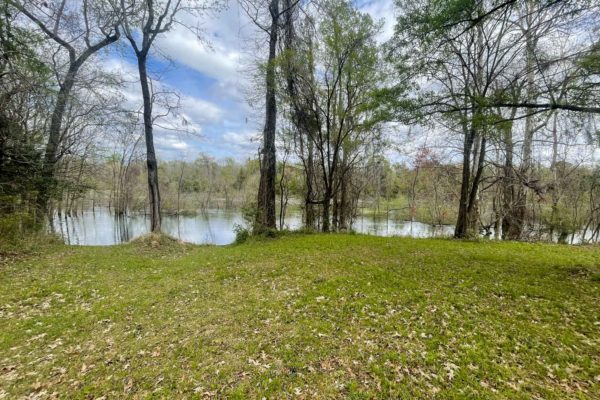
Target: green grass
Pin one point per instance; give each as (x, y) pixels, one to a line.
(315, 316)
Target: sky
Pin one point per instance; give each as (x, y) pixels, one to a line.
(212, 78)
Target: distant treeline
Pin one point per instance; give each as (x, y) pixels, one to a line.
(423, 189)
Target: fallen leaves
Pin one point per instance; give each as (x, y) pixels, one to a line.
(128, 325)
(451, 370)
(128, 385)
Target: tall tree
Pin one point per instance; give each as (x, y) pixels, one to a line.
(462, 66)
(265, 215)
(98, 27)
(298, 56)
(266, 15)
(143, 22)
(333, 74)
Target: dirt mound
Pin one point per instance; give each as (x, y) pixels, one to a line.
(159, 241)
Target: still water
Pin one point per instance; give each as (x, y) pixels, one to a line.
(212, 227)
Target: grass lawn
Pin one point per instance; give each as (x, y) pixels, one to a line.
(315, 316)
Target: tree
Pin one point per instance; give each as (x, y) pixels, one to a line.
(23, 88)
(302, 121)
(98, 27)
(464, 69)
(265, 211)
(143, 22)
(331, 98)
(265, 215)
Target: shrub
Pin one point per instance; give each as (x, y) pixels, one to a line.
(241, 233)
(17, 226)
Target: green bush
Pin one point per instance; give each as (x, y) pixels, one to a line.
(249, 211)
(17, 226)
(241, 234)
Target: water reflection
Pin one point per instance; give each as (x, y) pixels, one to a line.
(383, 227)
(212, 227)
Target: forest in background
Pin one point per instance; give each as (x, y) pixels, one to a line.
(505, 91)
(426, 190)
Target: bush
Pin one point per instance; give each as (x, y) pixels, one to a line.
(21, 235)
(249, 211)
(242, 234)
(269, 233)
(17, 226)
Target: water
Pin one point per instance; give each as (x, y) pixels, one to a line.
(212, 227)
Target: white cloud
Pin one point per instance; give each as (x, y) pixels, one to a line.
(243, 143)
(195, 111)
(241, 139)
(200, 111)
(221, 53)
(219, 62)
(380, 10)
(172, 142)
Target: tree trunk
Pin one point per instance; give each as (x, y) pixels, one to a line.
(554, 170)
(265, 216)
(461, 230)
(51, 155)
(335, 213)
(344, 212)
(511, 228)
(473, 209)
(326, 207)
(282, 196)
(519, 210)
(152, 165)
(308, 202)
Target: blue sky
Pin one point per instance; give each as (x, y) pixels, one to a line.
(213, 79)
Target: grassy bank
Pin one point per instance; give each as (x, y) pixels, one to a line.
(327, 316)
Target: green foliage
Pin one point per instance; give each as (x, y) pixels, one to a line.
(393, 104)
(21, 233)
(23, 82)
(242, 233)
(590, 62)
(17, 226)
(249, 213)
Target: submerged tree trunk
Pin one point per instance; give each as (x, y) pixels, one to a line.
(265, 216)
(151, 164)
